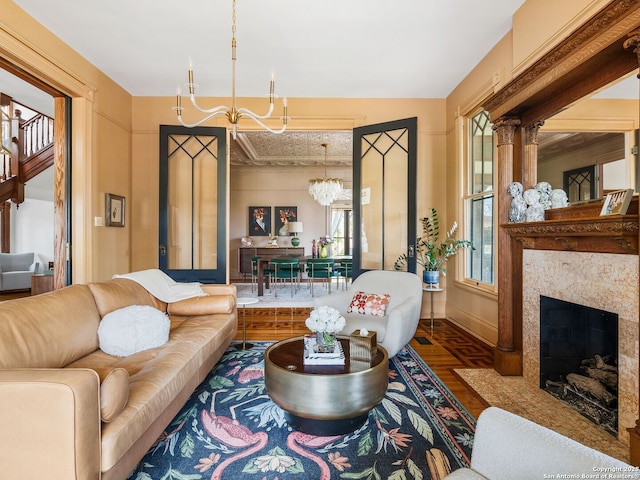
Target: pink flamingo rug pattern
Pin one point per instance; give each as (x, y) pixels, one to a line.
(230, 429)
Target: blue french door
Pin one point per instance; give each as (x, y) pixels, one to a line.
(384, 195)
(193, 203)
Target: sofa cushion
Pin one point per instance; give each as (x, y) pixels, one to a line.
(119, 293)
(114, 392)
(50, 330)
(16, 280)
(206, 305)
(133, 329)
(369, 304)
(356, 321)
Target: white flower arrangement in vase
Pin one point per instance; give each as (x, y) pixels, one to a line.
(326, 322)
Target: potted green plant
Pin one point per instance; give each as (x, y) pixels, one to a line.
(431, 253)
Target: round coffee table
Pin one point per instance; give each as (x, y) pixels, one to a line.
(324, 399)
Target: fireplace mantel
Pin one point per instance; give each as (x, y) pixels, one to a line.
(580, 228)
(607, 234)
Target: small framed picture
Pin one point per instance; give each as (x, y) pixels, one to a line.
(617, 202)
(114, 211)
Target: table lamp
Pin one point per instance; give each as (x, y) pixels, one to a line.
(295, 228)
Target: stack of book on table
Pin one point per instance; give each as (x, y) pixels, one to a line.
(311, 357)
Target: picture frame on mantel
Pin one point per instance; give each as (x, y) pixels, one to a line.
(114, 210)
(617, 202)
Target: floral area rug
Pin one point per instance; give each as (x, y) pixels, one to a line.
(230, 429)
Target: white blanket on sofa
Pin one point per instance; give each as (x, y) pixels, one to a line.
(162, 286)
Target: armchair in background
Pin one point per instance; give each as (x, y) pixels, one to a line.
(16, 270)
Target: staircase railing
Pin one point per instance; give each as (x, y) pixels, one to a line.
(32, 153)
(37, 133)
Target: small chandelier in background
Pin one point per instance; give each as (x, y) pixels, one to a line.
(233, 113)
(325, 190)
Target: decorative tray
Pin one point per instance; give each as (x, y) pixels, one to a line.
(313, 358)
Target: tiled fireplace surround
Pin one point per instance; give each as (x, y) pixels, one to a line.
(599, 280)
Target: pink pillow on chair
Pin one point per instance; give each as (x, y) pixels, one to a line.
(369, 304)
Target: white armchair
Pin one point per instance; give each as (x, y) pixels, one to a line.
(508, 447)
(397, 327)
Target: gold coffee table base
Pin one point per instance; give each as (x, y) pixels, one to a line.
(324, 399)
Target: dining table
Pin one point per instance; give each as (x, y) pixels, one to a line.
(263, 281)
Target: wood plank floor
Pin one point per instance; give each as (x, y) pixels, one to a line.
(448, 348)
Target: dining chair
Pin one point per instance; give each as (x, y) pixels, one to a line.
(254, 272)
(319, 268)
(344, 271)
(285, 268)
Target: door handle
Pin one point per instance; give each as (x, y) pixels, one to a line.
(163, 250)
(411, 251)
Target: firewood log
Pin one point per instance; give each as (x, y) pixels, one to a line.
(610, 379)
(602, 365)
(592, 386)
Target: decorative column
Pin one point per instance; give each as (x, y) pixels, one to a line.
(530, 164)
(507, 358)
(633, 43)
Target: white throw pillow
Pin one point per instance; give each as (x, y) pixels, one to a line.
(133, 329)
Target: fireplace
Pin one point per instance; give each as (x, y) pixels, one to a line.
(606, 282)
(578, 359)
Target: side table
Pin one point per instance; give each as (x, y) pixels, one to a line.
(432, 290)
(243, 302)
(41, 283)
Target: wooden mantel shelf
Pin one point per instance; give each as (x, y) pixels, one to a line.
(606, 234)
(580, 228)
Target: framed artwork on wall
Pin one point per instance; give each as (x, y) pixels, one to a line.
(259, 221)
(114, 210)
(284, 215)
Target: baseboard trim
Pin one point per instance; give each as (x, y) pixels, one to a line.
(475, 326)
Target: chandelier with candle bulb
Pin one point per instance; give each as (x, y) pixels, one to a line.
(233, 113)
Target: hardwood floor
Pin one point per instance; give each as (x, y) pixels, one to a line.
(448, 348)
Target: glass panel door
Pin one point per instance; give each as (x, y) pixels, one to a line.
(385, 182)
(193, 203)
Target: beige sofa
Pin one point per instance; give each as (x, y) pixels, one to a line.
(70, 411)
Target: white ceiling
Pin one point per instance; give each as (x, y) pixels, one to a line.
(318, 49)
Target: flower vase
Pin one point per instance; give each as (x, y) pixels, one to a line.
(325, 342)
(323, 251)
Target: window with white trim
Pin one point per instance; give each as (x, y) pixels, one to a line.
(479, 200)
